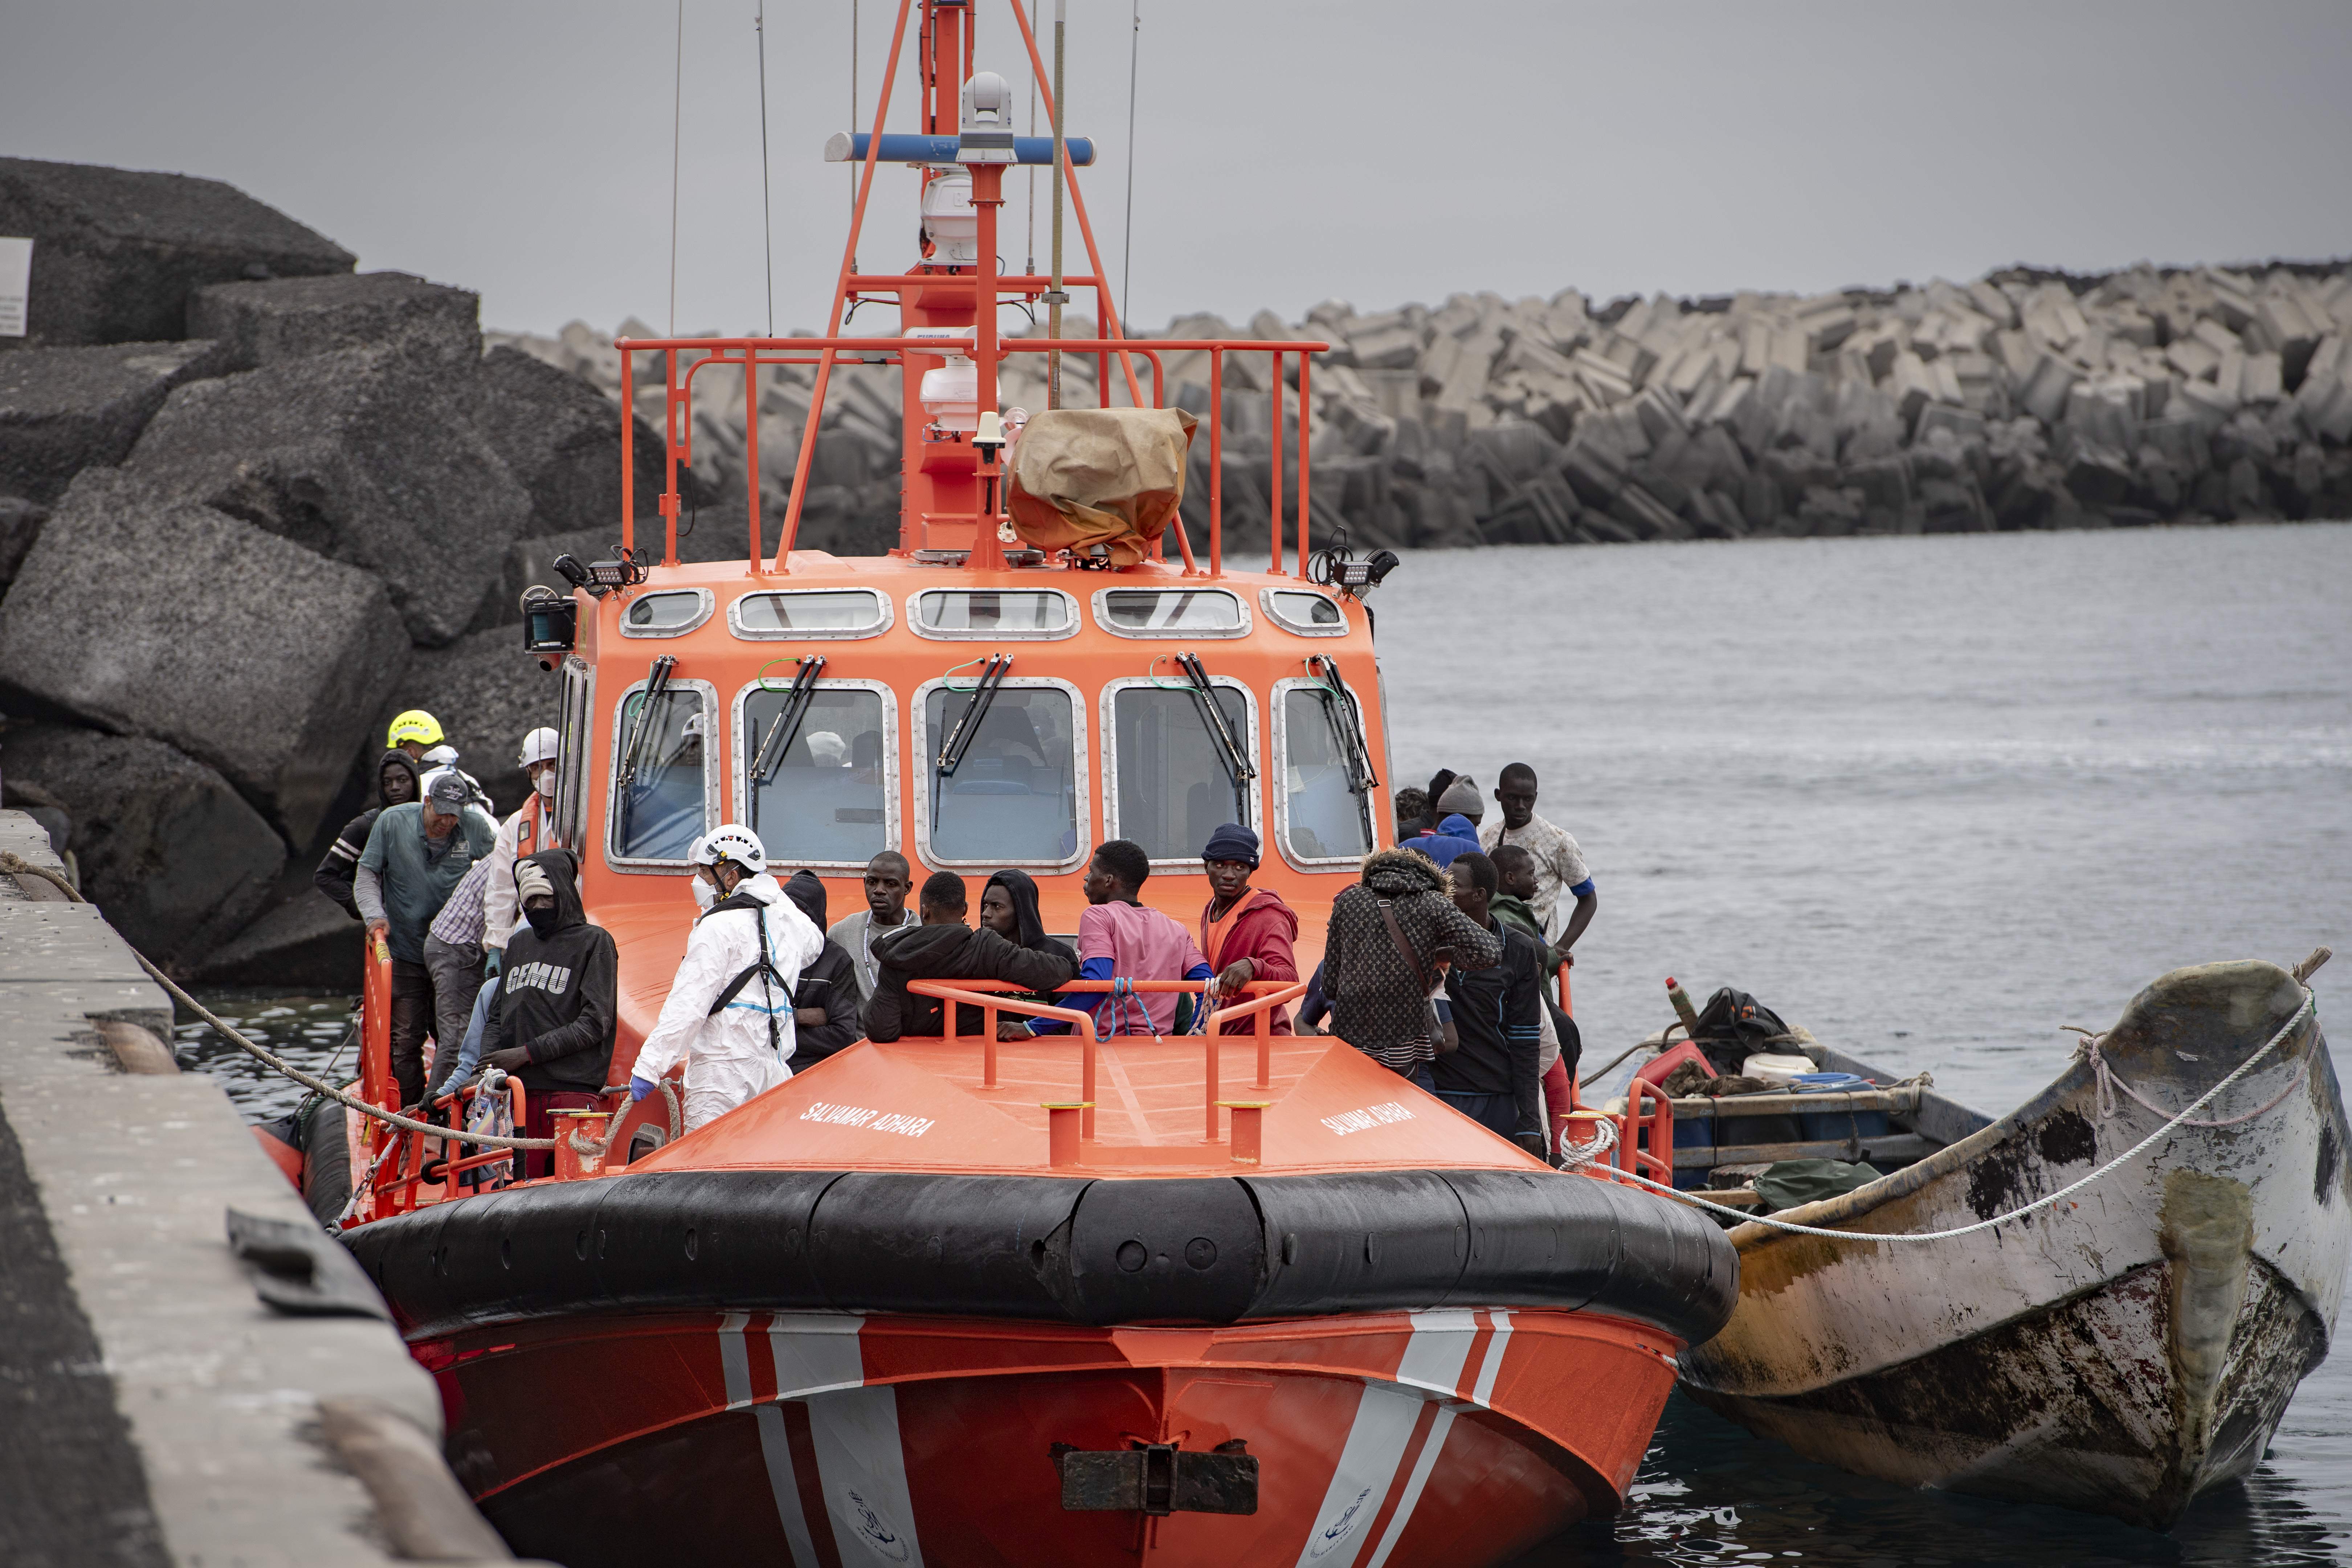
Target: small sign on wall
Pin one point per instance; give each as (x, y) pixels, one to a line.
(16, 284)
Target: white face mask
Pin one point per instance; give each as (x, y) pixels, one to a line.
(705, 895)
(545, 783)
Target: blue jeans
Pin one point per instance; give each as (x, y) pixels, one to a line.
(1420, 1078)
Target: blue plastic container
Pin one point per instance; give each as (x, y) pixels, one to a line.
(1692, 1132)
(1825, 1126)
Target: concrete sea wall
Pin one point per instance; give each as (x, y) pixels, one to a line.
(152, 1410)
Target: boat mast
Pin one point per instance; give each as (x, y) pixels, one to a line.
(1054, 296)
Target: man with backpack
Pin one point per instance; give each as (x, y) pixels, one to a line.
(730, 1011)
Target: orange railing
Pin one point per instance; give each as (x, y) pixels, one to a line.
(991, 997)
(749, 354)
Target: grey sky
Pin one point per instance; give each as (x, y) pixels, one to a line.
(1285, 152)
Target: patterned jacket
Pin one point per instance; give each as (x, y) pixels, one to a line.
(1377, 1006)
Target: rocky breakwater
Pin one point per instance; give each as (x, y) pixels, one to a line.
(252, 503)
(2025, 399)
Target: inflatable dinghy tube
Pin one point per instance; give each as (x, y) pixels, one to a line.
(1092, 1252)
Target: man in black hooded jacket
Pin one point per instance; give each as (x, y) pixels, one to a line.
(825, 1003)
(396, 783)
(552, 1024)
(944, 948)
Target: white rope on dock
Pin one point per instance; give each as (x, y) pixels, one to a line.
(16, 865)
(2308, 1008)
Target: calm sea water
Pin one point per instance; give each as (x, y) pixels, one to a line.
(1932, 798)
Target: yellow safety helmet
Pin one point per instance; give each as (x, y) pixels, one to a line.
(415, 724)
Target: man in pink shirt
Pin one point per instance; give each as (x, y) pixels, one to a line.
(1119, 938)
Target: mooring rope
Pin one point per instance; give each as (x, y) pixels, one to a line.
(2308, 1008)
(17, 865)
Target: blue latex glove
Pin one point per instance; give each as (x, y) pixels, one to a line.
(639, 1088)
(491, 961)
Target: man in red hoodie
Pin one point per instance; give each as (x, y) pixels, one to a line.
(1245, 932)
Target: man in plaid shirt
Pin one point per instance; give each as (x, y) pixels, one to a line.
(453, 955)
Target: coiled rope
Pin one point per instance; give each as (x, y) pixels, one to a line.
(17, 865)
(2308, 1008)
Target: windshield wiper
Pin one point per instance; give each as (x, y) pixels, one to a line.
(967, 728)
(786, 729)
(657, 683)
(1238, 767)
(1346, 729)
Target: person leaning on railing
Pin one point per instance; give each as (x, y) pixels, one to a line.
(943, 948)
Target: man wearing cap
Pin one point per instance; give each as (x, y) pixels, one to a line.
(730, 1013)
(1246, 932)
(530, 830)
(416, 855)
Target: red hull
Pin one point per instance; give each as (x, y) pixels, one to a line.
(1454, 1437)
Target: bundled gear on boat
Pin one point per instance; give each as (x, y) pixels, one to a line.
(1100, 483)
(1733, 1026)
(735, 1037)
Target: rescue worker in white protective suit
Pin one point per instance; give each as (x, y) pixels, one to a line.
(730, 1011)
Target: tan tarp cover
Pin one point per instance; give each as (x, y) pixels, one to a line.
(1110, 476)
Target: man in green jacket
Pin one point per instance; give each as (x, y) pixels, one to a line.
(416, 855)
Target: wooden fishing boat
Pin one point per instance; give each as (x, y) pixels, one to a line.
(2120, 1351)
(1056, 1299)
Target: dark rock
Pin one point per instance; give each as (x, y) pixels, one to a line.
(1516, 449)
(1953, 506)
(277, 319)
(20, 525)
(358, 454)
(64, 410)
(2097, 475)
(307, 942)
(560, 438)
(488, 694)
(2246, 498)
(150, 616)
(1647, 516)
(167, 849)
(1594, 471)
(1885, 486)
(1794, 470)
(1826, 511)
(117, 252)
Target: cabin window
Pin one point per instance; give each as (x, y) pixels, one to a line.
(821, 792)
(1173, 780)
(1305, 614)
(810, 613)
(1016, 792)
(663, 791)
(573, 722)
(1035, 613)
(1321, 814)
(665, 615)
(1170, 612)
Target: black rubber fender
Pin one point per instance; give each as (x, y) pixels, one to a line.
(1054, 1249)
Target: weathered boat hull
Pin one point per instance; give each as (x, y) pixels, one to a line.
(1455, 1436)
(2120, 1354)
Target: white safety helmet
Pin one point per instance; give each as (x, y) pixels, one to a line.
(728, 842)
(443, 756)
(539, 746)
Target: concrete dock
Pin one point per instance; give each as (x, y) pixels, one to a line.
(152, 1410)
